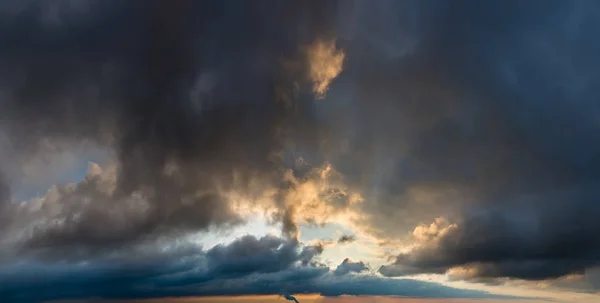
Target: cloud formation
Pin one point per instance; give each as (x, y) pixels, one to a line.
(190, 117)
(249, 265)
(481, 120)
(478, 117)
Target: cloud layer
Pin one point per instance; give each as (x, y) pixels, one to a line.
(478, 117)
(249, 265)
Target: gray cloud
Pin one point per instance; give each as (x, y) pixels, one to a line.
(346, 239)
(190, 104)
(4, 199)
(347, 266)
(86, 217)
(268, 265)
(487, 119)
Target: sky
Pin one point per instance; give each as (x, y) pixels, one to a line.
(315, 151)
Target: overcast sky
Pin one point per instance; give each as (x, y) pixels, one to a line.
(315, 151)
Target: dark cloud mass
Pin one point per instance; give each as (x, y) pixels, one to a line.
(479, 116)
(187, 100)
(496, 135)
(267, 265)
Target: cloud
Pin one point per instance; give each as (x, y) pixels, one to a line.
(480, 114)
(268, 254)
(325, 63)
(587, 283)
(141, 92)
(89, 216)
(347, 266)
(346, 239)
(4, 200)
(248, 265)
(489, 127)
(499, 242)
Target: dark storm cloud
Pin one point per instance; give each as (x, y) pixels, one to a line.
(188, 95)
(484, 113)
(247, 266)
(4, 191)
(4, 199)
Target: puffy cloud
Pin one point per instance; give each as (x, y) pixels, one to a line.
(315, 197)
(89, 216)
(498, 242)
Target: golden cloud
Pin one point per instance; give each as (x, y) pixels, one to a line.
(325, 62)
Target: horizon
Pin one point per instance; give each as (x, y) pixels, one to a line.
(310, 151)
